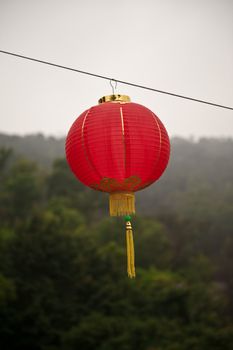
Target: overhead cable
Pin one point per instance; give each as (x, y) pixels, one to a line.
(117, 80)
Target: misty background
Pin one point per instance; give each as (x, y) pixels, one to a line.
(179, 46)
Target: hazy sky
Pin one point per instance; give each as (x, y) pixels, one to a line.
(182, 46)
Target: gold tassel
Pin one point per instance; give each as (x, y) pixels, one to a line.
(130, 249)
(121, 203)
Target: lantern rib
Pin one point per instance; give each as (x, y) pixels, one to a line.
(123, 138)
(84, 146)
(160, 140)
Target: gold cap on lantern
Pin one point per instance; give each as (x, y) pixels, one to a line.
(114, 98)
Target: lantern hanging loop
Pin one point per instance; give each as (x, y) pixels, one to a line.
(113, 84)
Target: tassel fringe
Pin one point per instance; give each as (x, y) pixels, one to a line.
(121, 204)
(130, 250)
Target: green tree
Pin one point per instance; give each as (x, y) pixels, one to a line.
(21, 193)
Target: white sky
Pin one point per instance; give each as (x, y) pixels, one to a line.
(182, 46)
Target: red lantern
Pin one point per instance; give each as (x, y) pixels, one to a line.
(118, 147)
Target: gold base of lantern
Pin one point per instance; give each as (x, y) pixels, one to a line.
(121, 203)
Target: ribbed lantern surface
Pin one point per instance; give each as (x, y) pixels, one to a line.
(118, 147)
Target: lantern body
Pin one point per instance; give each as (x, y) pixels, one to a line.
(117, 147)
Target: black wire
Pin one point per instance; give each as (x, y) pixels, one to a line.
(119, 81)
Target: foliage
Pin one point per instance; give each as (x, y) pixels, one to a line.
(62, 260)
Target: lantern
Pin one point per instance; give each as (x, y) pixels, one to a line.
(118, 147)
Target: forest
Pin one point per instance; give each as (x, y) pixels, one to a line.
(63, 280)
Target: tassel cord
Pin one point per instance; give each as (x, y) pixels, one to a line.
(130, 250)
(132, 262)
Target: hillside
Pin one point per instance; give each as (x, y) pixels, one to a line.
(200, 169)
(35, 147)
(63, 281)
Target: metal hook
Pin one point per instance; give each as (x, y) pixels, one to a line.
(113, 87)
